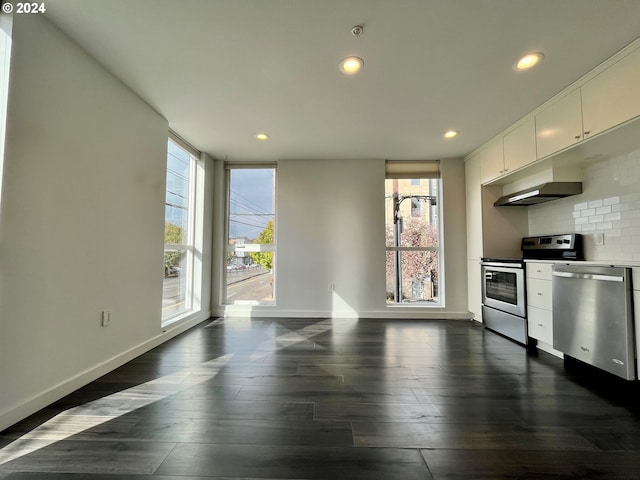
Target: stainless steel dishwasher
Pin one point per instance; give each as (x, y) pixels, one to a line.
(592, 316)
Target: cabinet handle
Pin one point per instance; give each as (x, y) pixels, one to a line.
(539, 271)
(540, 325)
(540, 293)
(577, 137)
(587, 132)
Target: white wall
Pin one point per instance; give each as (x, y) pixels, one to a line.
(330, 230)
(81, 222)
(609, 206)
(455, 236)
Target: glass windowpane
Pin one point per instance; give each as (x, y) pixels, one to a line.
(251, 227)
(177, 284)
(412, 240)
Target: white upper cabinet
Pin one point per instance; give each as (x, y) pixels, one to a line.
(491, 160)
(613, 96)
(602, 100)
(507, 154)
(520, 146)
(560, 125)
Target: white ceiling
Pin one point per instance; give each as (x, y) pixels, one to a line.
(223, 70)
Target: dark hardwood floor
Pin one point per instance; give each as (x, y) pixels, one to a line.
(335, 399)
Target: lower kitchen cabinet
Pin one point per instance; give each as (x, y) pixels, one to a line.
(540, 324)
(636, 315)
(635, 284)
(474, 283)
(539, 293)
(540, 305)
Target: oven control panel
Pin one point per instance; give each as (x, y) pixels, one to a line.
(556, 242)
(568, 245)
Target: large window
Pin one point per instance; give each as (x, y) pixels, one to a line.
(250, 260)
(5, 54)
(177, 297)
(412, 206)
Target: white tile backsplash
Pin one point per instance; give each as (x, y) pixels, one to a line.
(609, 205)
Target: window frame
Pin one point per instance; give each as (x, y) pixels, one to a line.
(190, 233)
(427, 170)
(6, 24)
(271, 247)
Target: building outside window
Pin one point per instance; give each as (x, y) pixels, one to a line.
(413, 233)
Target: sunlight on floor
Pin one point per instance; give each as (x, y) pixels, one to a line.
(90, 415)
(291, 338)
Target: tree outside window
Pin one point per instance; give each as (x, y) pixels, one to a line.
(412, 240)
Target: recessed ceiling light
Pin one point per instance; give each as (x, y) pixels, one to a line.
(528, 61)
(262, 136)
(351, 65)
(451, 133)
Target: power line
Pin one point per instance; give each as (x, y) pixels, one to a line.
(238, 222)
(252, 214)
(249, 202)
(238, 208)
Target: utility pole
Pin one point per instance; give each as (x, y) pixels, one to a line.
(397, 232)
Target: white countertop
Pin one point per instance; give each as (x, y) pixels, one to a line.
(605, 263)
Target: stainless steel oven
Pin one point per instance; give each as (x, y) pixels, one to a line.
(503, 287)
(504, 295)
(504, 303)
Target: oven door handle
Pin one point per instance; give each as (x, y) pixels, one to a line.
(513, 266)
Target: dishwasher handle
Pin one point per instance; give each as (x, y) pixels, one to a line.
(589, 276)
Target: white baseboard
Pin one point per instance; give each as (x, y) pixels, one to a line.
(37, 402)
(545, 347)
(395, 312)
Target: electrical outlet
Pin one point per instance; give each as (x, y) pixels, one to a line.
(599, 240)
(106, 318)
(331, 287)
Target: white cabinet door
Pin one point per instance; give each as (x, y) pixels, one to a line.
(613, 96)
(492, 161)
(635, 283)
(539, 301)
(636, 306)
(474, 235)
(542, 271)
(474, 286)
(474, 207)
(539, 293)
(520, 146)
(560, 125)
(540, 324)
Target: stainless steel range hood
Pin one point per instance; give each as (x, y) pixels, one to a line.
(540, 193)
